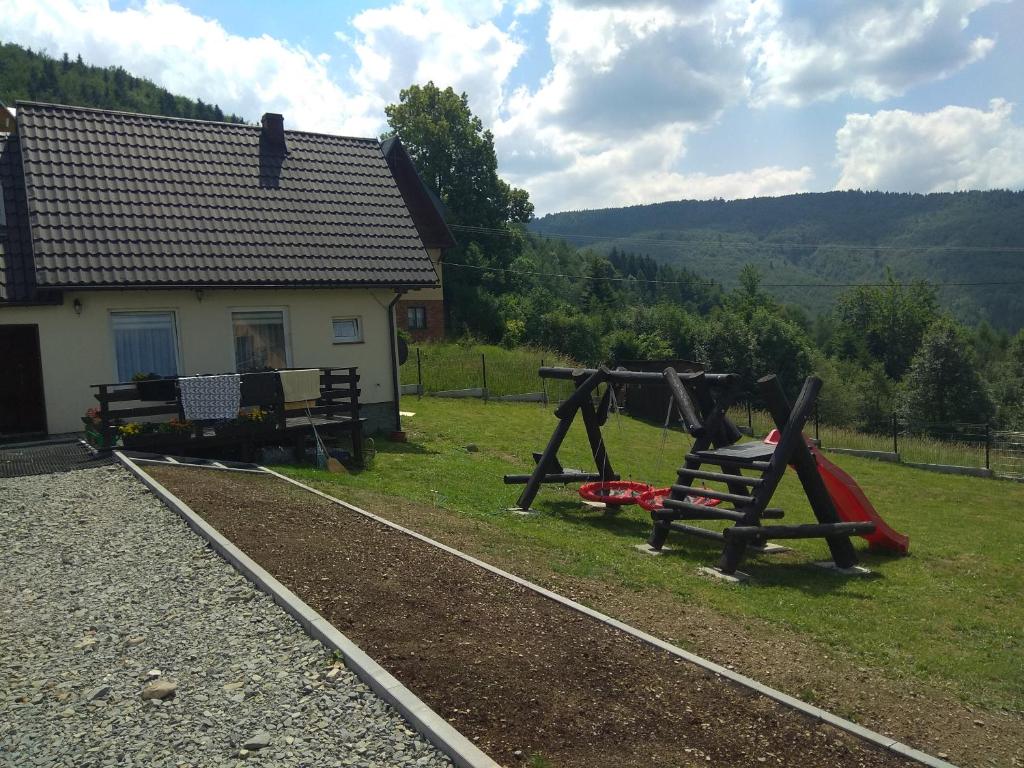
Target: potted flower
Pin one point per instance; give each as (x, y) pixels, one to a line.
(154, 435)
(153, 387)
(94, 428)
(247, 425)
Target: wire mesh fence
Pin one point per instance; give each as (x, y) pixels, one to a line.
(1007, 454)
(498, 373)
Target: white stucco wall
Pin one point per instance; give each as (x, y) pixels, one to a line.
(78, 350)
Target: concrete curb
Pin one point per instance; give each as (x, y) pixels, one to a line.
(427, 722)
(816, 713)
(865, 454)
(951, 469)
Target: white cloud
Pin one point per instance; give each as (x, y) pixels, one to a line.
(801, 52)
(419, 40)
(192, 56)
(642, 171)
(953, 148)
(628, 83)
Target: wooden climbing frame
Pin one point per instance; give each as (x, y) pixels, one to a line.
(703, 400)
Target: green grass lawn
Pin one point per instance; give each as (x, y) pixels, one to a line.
(950, 613)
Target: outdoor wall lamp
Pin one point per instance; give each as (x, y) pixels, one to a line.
(77, 306)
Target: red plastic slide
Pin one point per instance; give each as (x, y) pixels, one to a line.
(851, 504)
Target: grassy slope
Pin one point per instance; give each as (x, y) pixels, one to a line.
(450, 365)
(950, 613)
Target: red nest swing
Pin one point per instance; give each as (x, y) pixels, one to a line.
(615, 493)
(654, 499)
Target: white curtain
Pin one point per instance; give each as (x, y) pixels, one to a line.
(144, 342)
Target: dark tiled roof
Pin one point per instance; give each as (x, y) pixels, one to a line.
(123, 199)
(17, 275)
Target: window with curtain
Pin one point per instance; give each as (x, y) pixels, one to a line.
(144, 342)
(259, 340)
(416, 318)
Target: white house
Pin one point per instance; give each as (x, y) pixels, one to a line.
(140, 244)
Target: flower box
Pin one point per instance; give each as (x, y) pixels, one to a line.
(154, 440)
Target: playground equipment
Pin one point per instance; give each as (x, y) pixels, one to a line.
(702, 400)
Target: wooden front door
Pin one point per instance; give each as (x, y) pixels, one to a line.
(22, 406)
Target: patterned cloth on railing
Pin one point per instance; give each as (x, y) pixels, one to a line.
(210, 397)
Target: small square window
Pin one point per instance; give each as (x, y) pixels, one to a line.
(417, 318)
(347, 330)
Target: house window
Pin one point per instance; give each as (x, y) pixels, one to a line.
(144, 342)
(347, 330)
(260, 340)
(417, 317)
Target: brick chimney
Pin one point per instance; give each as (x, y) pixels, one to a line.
(272, 134)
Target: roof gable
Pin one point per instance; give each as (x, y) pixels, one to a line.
(17, 275)
(427, 211)
(120, 199)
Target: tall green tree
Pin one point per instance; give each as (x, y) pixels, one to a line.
(943, 384)
(884, 323)
(455, 155)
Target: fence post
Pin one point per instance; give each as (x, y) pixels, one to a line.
(895, 446)
(483, 368)
(419, 374)
(988, 444)
(543, 385)
(750, 419)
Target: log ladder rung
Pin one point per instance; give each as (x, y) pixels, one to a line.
(733, 498)
(811, 531)
(685, 510)
(729, 461)
(721, 477)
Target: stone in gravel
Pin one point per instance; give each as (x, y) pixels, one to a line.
(135, 640)
(97, 694)
(258, 740)
(159, 689)
(153, 674)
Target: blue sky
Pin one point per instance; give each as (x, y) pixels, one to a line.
(599, 104)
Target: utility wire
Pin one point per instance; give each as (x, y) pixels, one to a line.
(712, 283)
(759, 244)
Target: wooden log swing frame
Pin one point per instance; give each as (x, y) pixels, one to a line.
(702, 401)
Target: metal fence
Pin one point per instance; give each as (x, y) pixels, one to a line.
(1007, 454)
(951, 445)
(457, 372)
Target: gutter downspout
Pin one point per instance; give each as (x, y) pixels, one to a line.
(394, 357)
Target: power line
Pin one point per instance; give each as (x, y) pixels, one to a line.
(712, 283)
(760, 244)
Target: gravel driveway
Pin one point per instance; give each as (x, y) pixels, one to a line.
(105, 595)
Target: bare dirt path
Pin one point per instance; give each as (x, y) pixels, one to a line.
(524, 677)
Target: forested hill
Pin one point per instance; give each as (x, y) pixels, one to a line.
(831, 237)
(32, 76)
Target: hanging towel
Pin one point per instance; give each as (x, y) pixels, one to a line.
(300, 385)
(210, 397)
(261, 388)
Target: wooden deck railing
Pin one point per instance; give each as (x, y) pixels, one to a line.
(336, 409)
